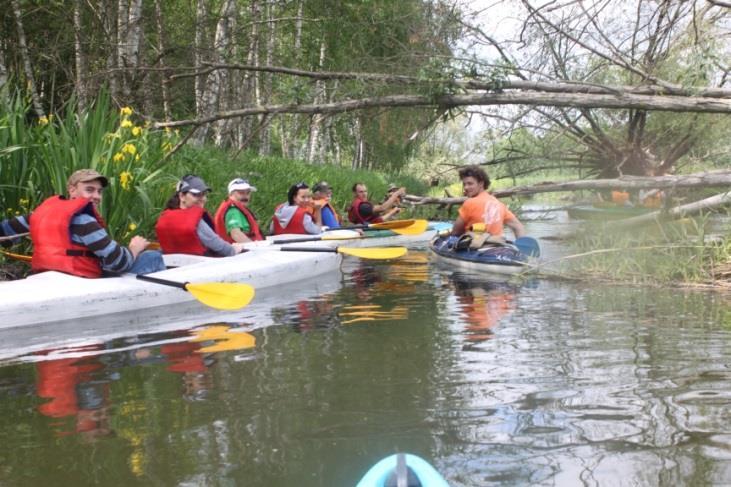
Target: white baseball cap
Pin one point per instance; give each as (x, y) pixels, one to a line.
(239, 184)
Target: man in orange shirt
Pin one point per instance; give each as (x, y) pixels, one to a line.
(482, 207)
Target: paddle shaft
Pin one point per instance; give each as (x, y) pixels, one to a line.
(334, 250)
(164, 282)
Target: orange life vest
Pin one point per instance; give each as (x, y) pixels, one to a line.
(219, 220)
(53, 249)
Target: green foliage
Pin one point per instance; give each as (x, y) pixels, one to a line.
(660, 253)
(38, 156)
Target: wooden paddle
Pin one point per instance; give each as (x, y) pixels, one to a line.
(219, 295)
(18, 257)
(363, 253)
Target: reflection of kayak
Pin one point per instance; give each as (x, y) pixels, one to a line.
(402, 469)
(498, 260)
(605, 212)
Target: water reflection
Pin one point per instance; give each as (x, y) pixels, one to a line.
(77, 389)
(482, 303)
(496, 383)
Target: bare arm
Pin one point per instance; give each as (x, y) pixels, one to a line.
(237, 235)
(458, 228)
(517, 227)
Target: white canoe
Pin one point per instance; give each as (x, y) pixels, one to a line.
(54, 296)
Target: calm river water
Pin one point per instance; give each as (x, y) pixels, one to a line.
(495, 383)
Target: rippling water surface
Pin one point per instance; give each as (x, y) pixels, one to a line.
(495, 382)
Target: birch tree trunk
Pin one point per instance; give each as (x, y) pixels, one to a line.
(201, 12)
(313, 143)
(3, 70)
(217, 84)
(82, 71)
(133, 42)
(25, 55)
(265, 133)
(107, 12)
(161, 61)
(122, 39)
(250, 95)
(290, 123)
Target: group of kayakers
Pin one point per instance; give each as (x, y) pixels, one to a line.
(70, 236)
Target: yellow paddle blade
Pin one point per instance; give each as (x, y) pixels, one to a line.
(221, 295)
(416, 228)
(374, 252)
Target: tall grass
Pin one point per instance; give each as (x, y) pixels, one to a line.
(660, 253)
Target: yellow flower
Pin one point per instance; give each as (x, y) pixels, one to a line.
(125, 111)
(118, 157)
(43, 120)
(126, 123)
(132, 227)
(125, 177)
(24, 202)
(137, 158)
(129, 149)
(136, 131)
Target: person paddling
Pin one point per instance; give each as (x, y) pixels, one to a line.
(483, 208)
(185, 227)
(362, 211)
(69, 235)
(234, 221)
(322, 196)
(299, 215)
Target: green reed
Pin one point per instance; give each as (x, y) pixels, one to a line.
(662, 253)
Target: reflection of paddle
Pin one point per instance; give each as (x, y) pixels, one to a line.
(528, 246)
(219, 295)
(363, 253)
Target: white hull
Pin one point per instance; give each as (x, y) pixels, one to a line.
(479, 266)
(54, 296)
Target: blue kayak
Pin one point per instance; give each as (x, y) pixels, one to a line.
(504, 259)
(402, 469)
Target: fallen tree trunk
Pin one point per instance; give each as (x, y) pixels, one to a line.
(699, 180)
(681, 211)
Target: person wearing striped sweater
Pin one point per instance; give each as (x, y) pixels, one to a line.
(69, 235)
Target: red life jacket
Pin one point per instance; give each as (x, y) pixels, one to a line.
(53, 249)
(295, 225)
(354, 213)
(176, 230)
(220, 221)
